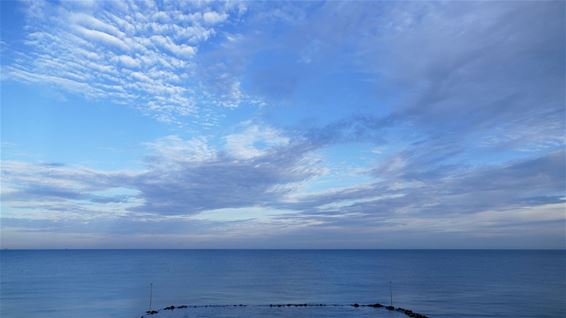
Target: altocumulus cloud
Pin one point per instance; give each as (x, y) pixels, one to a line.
(130, 52)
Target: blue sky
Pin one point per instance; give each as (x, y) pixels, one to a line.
(169, 124)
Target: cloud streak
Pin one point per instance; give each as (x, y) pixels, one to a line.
(187, 178)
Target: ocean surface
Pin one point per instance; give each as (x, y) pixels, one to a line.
(438, 283)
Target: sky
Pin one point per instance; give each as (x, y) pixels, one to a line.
(171, 124)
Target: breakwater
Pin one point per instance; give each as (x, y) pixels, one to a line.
(407, 312)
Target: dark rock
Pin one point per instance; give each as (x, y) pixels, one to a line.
(390, 308)
(169, 308)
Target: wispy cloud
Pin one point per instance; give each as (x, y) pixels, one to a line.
(185, 178)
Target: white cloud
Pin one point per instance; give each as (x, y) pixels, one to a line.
(127, 61)
(174, 149)
(102, 37)
(140, 54)
(254, 141)
(212, 17)
(179, 50)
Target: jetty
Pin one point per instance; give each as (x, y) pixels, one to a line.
(407, 312)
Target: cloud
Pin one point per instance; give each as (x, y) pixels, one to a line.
(468, 119)
(186, 178)
(520, 203)
(127, 61)
(253, 141)
(28, 184)
(102, 37)
(212, 17)
(242, 176)
(183, 177)
(483, 71)
(173, 149)
(132, 53)
(258, 166)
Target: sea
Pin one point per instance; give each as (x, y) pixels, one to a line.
(436, 283)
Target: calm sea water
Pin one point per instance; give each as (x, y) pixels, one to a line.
(115, 283)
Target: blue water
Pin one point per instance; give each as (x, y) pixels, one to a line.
(115, 283)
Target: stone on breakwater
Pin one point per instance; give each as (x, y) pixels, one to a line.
(407, 312)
